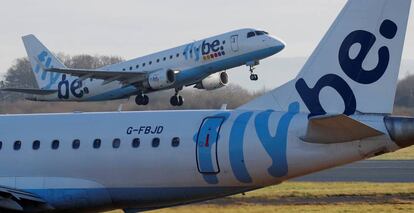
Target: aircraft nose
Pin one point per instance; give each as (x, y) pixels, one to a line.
(276, 44)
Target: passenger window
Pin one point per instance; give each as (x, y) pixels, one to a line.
(177, 55)
(158, 60)
(171, 56)
(150, 62)
(224, 42)
(135, 142)
(36, 145)
(164, 58)
(130, 68)
(76, 144)
(17, 145)
(250, 34)
(55, 144)
(97, 143)
(143, 64)
(116, 143)
(1, 144)
(175, 142)
(155, 142)
(123, 69)
(137, 66)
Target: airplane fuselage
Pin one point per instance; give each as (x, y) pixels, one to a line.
(181, 156)
(194, 62)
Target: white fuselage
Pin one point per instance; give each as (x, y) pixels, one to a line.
(219, 153)
(194, 61)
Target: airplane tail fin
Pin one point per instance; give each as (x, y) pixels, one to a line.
(38, 53)
(354, 68)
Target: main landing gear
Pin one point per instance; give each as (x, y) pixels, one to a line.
(142, 99)
(176, 99)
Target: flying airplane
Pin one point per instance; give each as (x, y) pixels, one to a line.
(201, 63)
(336, 111)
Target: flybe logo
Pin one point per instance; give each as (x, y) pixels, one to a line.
(205, 50)
(74, 87)
(274, 142)
(352, 67)
(65, 86)
(43, 75)
(212, 50)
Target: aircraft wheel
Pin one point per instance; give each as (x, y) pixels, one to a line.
(141, 100)
(138, 99)
(145, 100)
(254, 77)
(180, 100)
(174, 100)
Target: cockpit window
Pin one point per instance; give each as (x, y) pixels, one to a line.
(261, 33)
(250, 34)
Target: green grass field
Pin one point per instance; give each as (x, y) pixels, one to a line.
(403, 154)
(312, 197)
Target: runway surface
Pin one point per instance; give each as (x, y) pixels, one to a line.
(367, 171)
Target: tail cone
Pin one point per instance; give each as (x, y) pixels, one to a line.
(401, 130)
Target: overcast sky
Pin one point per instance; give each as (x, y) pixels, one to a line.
(131, 28)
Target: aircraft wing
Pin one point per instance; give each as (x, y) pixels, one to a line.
(33, 91)
(18, 200)
(337, 129)
(126, 77)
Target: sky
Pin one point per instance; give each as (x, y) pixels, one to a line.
(132, 28)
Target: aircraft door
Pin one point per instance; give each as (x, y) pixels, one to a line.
(206, 149)
(234, 40)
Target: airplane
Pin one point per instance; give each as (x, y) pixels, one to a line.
(336, 111)
(200, 63)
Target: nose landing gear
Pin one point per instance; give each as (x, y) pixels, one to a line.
(176, 99)
(252, 64)
(253, 76)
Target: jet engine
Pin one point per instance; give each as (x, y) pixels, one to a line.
(161, 79)
(213, 81)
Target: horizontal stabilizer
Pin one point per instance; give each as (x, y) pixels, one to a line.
(337, 129)
(32, 91)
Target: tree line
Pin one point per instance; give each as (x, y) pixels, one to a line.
(20, 75)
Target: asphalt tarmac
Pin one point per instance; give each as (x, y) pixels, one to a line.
(366, 171)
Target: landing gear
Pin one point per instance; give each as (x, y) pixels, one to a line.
(252, 65)
(141, 99)
(176, 99)
(253, 76)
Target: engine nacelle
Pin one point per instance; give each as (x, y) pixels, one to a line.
(161, 79)
(213, 81)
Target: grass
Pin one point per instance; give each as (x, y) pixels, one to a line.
(403, 154)
(312, 197)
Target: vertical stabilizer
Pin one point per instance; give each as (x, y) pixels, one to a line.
(38, 53)
(354, 68)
